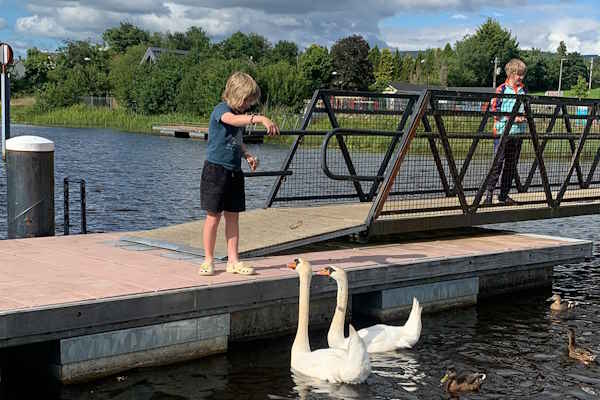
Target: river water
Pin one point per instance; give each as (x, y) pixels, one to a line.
(139, 182)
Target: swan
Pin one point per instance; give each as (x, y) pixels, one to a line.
(378, 338)
(349, 365)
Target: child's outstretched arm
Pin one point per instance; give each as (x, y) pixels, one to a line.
(245, 119)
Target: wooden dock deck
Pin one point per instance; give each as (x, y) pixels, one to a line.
(280, 228)
(112, 306)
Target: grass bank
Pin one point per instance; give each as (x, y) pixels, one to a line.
(82, 116)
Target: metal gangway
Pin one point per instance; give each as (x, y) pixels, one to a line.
(367, 164)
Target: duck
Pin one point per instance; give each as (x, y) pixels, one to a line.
(558, 305)
(455, 384)
(579, 353)
(350, 365)
(378, 338)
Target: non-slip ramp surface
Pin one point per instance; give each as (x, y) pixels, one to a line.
(264, 231)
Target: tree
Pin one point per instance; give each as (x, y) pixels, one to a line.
(473, 65)
(353, 69)
(581, 87)
(124, 70)
(316, 67)
(284, 51)
(385, 71)
(561, 50)
(374, 57)
(37, 65)
(281, 85)
(193, 39)
(126, 35)
(537, 78)
(240, 45)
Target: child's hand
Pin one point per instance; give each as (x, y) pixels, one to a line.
(252, 162)
(272, 128)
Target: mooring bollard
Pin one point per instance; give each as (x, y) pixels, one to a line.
(30, 186)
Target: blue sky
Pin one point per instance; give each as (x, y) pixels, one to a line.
(402, 24)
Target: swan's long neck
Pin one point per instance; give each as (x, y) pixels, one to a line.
(336, 330)
(301, 341)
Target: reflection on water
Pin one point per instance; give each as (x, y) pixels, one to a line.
(515, 340)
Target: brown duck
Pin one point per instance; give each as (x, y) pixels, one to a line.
(582, 354)
(456, 384)
(559, 305)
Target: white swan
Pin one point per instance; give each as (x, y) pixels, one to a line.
(349, 365)
(378, 338)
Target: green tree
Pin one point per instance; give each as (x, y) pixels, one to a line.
(124, 36)
(202, 84)
(156, 90)
(537, 78)
(282, 86)
(316, 67)
(384, 74)
(284, 51)
(581, 87)
(37, 65)
(374, 57)
(353, 69)
(124, 70)
(473, 65)
(240, 45)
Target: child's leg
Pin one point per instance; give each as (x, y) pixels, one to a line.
(209, 235)
(232, 234)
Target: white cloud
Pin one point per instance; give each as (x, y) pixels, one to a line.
(459, 16)
(424, 38)
(579, 34)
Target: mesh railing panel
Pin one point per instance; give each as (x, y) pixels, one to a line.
(460, 139)
(347, 154)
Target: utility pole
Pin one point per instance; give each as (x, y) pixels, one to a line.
(560, 75)
(6, 58)
(591, 69)
(495, 70)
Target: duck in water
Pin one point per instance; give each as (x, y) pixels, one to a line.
(582, 354)
(559, 305)
(455, 384)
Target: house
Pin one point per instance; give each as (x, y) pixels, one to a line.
(397, 87)
(152, 53)
(17, 70)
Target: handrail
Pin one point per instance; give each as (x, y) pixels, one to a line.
(350, 132)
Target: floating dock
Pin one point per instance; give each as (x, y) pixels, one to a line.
(188, 131)
(98, 305)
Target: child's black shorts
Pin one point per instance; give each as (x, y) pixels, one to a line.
(221, 189)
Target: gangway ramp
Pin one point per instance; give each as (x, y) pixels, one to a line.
(264, 231)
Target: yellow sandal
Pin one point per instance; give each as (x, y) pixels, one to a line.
(240, 268)
(206, 268)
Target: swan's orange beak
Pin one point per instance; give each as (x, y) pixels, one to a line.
(324, 271)
(293, 264)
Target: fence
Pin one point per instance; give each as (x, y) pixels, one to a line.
(99, 101)
(439, 153)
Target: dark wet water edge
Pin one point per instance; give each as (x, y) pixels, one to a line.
(515, 339)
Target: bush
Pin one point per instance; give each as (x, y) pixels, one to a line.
(283, 85)
(202, 85)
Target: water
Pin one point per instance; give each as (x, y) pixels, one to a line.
(140, 182)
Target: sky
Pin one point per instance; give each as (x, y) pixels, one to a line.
(396, 24)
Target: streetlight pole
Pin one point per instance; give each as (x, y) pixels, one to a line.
(591, 69)
(560, 75)
(495, 70)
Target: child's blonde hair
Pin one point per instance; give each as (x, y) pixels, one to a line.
(239, 88)
(515, 66)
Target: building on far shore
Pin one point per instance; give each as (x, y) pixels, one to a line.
(153, 53)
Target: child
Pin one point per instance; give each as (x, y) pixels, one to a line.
(509, 155)
(222, 182)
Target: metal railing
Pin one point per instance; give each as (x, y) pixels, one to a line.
(439, 153)
(82, 201)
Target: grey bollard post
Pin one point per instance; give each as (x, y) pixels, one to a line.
(30, 186)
